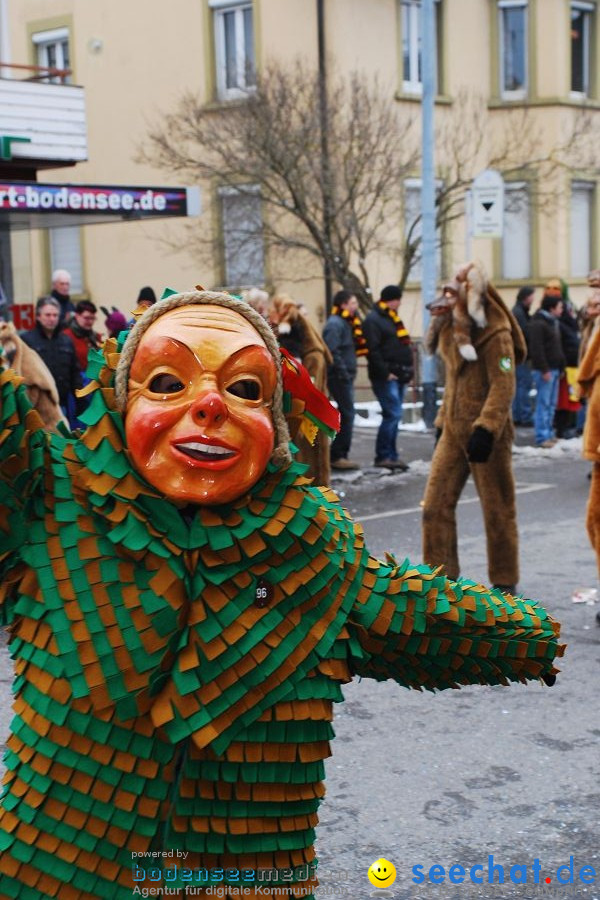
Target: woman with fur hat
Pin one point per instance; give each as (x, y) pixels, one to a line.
(296, 334)
(184, 608)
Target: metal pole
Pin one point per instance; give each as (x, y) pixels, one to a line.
(325, 163)
(428, 254)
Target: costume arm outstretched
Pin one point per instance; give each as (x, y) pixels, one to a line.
(412, 624)
(22, 463)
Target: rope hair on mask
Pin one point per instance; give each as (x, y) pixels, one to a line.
(281, 456)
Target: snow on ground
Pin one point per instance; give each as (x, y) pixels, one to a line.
(368, 415)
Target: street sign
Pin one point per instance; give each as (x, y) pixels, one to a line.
(488, 204)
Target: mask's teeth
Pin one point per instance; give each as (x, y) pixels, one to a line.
(207, 449)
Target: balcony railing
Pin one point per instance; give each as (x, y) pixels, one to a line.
(35, 73)
(42, 116)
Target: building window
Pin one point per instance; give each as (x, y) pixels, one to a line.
(413, 229)
(516, 243)
(52, 49)
(65, 253)
(513, 49)
(243, 248)
(234, 48)
(581, 37)
(411, 29)
(582, 205)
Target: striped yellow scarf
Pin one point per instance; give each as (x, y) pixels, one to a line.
(360, 341)
(401, 332)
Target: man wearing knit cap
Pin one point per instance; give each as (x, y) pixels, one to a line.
(390, 368)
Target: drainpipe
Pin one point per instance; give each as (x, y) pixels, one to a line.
(4, 39)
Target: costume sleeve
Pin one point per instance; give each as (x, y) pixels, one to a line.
(499, 362)
(22, 463)
(589, 367)
(412, 624)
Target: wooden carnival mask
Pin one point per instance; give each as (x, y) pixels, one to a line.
(198, 422)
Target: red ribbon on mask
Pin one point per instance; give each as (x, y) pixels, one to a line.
(317, 408)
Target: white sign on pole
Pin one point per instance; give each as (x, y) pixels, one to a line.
(488, 204)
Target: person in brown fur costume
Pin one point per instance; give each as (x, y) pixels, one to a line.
(297, 335)
(41, 387)
(589, 389)
(474, 423)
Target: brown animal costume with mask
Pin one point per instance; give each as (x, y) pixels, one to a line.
(480, 342)
(589, 388)
(297, 335)
(37, 377)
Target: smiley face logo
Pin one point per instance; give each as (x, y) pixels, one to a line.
(382, 873)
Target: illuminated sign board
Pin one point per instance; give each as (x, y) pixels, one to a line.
(98, 200)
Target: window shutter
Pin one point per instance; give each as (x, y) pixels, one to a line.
(65, 253)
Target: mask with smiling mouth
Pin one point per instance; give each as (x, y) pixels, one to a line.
(199, 380)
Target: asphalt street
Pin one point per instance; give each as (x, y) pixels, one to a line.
(454, 777)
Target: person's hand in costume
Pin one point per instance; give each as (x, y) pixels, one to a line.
(479, 445)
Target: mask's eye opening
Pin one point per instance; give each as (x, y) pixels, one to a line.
(165, 383)
(245, 389)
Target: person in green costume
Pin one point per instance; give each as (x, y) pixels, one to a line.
(184, 607)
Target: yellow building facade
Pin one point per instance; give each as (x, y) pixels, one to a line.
(532, 63)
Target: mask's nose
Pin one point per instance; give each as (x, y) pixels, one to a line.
(209, 408)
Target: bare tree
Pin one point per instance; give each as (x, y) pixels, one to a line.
(265, 152)
(270, 145)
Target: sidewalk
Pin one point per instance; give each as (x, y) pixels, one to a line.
(416, 444)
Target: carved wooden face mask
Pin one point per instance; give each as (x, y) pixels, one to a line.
(198, 422)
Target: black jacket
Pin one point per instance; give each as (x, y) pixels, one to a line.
(339, 337)
(59, 355)
(66, 307)
(388, 354)
(570, 337)
(523, 317)
(545, 346)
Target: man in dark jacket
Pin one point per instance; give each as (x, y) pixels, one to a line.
(521, 407)
(547, 361)
(390, 368)
(56, 350)
(339, 336)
